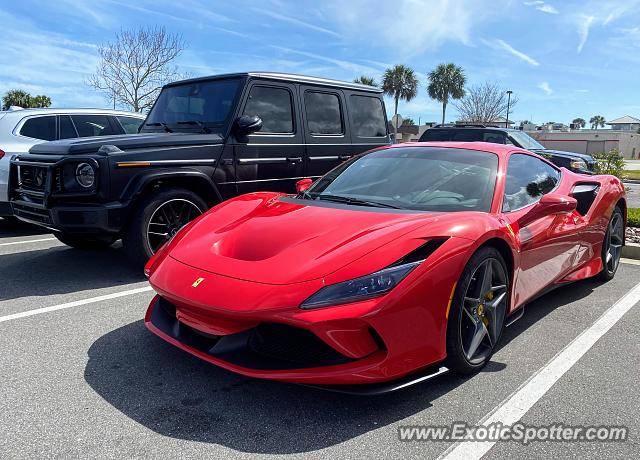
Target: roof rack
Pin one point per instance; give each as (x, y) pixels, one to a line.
(460, 125)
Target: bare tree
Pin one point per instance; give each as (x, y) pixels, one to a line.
(484, 103)
(136, 65)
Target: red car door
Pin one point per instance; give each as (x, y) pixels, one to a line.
(548, 245)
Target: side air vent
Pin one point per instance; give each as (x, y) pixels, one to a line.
(422, 252)
(585, 195)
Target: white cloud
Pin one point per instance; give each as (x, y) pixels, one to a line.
(504, 46)
(544, 86)
(341, 63)
(295, 21)
(583, 30)
(542, 6)
(410, 27)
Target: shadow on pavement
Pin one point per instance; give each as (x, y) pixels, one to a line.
(10, 228)
(62, 270)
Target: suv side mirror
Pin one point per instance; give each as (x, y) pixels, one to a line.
(553, 203)
(247, 124)
(303, 184)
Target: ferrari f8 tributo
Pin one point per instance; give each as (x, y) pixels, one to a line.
(398, 263)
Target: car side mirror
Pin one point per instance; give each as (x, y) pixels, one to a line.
(303, 184)
(247, 124)
(553, 203)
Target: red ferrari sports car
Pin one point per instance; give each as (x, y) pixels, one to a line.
(400, 263)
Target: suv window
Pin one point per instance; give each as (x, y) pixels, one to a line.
(130, 124)
(494, 137)
(40, 128)
(274, 106)
(435, 135)
(92, 125)
(67, 130)
(323, 113)
(528, 178)
(367, 116)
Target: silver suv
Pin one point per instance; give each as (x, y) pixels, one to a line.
(21, 129)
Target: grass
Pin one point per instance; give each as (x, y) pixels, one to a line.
(633, 217)
(632, 174)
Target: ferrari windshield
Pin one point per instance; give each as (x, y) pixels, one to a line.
(413, 178)
(194, 105)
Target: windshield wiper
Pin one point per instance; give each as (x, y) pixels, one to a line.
(205, 129)
(355, 201)
(164, 125)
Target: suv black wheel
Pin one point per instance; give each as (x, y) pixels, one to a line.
(84, 242)
(157, 218)
(612, 245)
(478, 310)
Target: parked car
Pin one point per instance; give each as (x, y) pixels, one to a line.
(204, 140)
(399, 264)
(576, 162)
(23, 128)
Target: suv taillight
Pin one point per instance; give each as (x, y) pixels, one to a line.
(1, 154)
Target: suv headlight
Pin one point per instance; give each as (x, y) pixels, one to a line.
(363, 288)
(85, 175)
(579, 164)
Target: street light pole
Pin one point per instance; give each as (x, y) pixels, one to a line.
(506, 124)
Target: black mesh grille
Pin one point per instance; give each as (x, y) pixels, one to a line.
(291, 344)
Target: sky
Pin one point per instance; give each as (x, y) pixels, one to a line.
(563, 59)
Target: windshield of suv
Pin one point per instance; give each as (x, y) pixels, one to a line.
(413, 178)
(203, 103)
(525, 141)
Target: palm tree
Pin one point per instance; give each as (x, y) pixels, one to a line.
(364, 80)
(446, 81)
(399, 82)
(579, 122)
(597, 121)
(408, 122)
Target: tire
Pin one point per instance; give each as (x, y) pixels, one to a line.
(83, 242)
(612, 245)
(478, 309)
(139, 244)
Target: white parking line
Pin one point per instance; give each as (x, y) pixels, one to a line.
(519, 402)
(27, 241)
(77, 303)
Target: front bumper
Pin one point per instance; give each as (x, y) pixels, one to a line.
(266, 335)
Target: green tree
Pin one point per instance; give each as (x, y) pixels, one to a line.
(597, 121)
(23, 99)
(364, 80)
(399, 82)
(579, 122)
(40, 101)
(446, 82)
(408, 122)
(610, 162)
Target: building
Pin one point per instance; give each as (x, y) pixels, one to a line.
(591, 141)
(625, 123)
(410, 133)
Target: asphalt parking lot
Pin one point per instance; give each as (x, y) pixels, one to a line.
(85, 379)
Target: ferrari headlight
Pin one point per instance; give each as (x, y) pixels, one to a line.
(85, 175)
(365, 287)
(579, 164)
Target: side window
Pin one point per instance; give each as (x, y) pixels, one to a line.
(436, 135)
(130, 124)
(494, 138)
(467, 135)
(323, 113)
(274, 106)
(528, 178)
(40, 128)
(367, 116)
(67, 130)
(92, 125)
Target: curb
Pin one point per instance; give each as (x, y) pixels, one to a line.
(631, 251)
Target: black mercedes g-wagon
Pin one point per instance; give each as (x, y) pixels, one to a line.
(204, 140)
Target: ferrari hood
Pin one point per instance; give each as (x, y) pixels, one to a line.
(267, 238)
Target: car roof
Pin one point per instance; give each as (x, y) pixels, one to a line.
(56, 111)
(460, 127)
(290, 77)
(499, 149)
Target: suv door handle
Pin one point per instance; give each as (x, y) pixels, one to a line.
(294, 159)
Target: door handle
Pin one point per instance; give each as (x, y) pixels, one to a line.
(294, 159)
